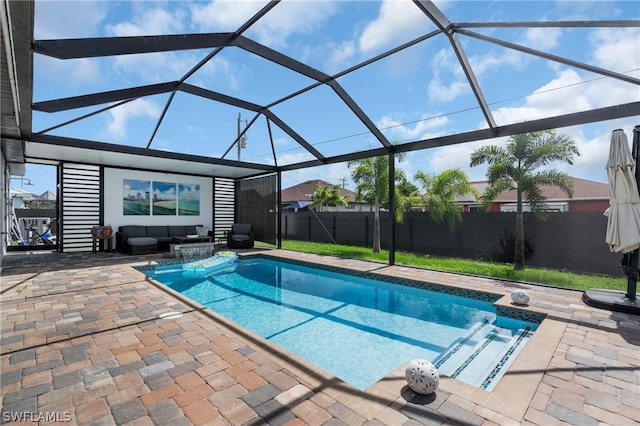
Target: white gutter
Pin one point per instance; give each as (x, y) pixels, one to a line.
(8, 48)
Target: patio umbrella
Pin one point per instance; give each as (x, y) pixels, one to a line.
(623, 225)
(298, 205)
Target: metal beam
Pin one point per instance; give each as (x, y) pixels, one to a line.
(573, 119)
(473, 81)
(237, 139)
(280, 59)
(133, 150)
(273, 148)
(549, 24)
(434, 14)
(251, 107)
(164, 112)
(82, 117)
(255, 18)
(288, 130)
(353, 106)
(441, 21)
(550, 57)
(82, 101)
(219, 97)
(115, 46)
(307, 71)
(560, 121)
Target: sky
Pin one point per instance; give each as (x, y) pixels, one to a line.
(419, 93)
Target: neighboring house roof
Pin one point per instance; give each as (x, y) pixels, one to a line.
(582, 190)
(20, 193)
(46, 196)
(305, 190)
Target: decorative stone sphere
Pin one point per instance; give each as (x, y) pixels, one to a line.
(520, 297)
(422, 377)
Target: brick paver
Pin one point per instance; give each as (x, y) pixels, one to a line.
(81, 337)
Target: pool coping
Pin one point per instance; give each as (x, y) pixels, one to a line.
(511, 396)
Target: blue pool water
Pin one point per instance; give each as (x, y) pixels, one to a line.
(355, 328)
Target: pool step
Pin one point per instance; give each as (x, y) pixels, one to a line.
(482, 356)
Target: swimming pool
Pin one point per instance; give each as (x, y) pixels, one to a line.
(354, 327)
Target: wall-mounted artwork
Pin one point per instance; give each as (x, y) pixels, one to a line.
(164, 198)
(188, 199)
(144, 198)
(136, 197)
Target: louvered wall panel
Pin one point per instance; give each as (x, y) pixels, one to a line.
(223, 207)
(80, 205)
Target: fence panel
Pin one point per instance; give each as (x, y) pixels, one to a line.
(571, 241)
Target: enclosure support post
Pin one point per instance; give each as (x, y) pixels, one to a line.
(279, 211)
(392, 209)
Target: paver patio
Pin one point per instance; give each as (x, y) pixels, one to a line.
(84, 342)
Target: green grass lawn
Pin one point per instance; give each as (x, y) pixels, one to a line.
(548, 277)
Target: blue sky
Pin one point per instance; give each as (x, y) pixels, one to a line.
(416, 94)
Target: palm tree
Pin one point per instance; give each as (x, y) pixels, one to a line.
(371, 176)
(513, 167)
(328, 197)
(407, 195)
(440, 192)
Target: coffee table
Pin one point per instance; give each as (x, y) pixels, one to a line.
(189, 240)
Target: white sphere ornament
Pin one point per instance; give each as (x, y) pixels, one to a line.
(520, 297)
(422, 377)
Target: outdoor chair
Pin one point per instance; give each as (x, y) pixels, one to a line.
(240, 236)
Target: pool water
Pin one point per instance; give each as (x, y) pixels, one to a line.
(357, 329)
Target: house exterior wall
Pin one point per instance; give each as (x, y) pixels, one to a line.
(588, 205)
(113, 196)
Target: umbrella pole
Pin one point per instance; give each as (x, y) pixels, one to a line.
(632, 274)
(632, 277)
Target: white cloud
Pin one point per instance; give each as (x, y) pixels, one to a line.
(334, 173)
(281, 22)
(594, 149)
(396, 20)
(290, 18)
(153, 67)
(562, 95)
(439, 92)
(70, 73)
(450, 82)
(119, 116)
(339, 55)
(220, 16)
(616, 48)
(422, 127)
(293, 158)
(153, 21)
(68, 19)
(437, 160)
(544, 39)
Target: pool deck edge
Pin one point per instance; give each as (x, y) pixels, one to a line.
(68, 316)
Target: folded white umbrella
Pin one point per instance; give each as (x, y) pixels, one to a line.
(623, 226)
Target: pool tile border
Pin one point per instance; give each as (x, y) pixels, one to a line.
(503, 311)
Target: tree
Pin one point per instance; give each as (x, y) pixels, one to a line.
(513, 167)
(328, 197)
(371, 176)
(407, 194)
(440, 192)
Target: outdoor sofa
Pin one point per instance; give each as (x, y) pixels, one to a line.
(140, 239)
